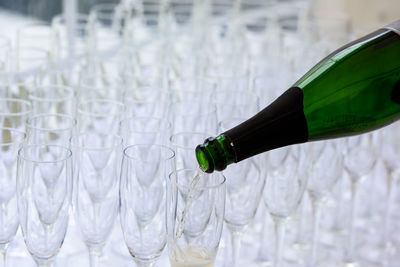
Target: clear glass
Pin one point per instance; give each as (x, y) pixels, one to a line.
(358, 163)
(194, 225)
(73, 42)
(53, 129)
(325, 163)
(27, 63)
(145, 169)
(282, 195)
(44, 189)
(39, 35)
(11, 141)
(14, 112)
(145, 130)
(245, 185)
(5, 47)
(97, 168)
(236, 104)
(105, 29)
(100, 116)
(53, 99)
(183, 143)
(192, 116)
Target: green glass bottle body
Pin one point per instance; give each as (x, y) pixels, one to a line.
(353, 90)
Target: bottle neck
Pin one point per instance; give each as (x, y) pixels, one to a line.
(215, 154)
(280, 124)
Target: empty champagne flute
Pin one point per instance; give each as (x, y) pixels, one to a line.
(100, 115)
(145, 130)
(195, 213)
(97, 165)
(324, 168)
(44, 188)
(245, 185)
(55, 129)
(145, 101)
(11, 141)
(5, 46)
(39, 35)
(272, 162)
(187, 116)
(14, 112)
(358, 163)
(379, 251)
(282, 195)
(53, 99)
(144, 173)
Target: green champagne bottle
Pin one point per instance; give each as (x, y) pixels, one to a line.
(353, 90)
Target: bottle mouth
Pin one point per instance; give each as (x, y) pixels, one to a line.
(205, 163)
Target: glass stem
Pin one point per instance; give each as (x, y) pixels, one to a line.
(3, 251)
(339, 213)
(145, 264)
(44, 263)
(236, 241)
(94, 256)
(391, 192)
(351, 232)
(264, 246)
(300, 231)
(279, 226)
(316, 213)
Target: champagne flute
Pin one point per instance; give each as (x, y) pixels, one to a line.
(194, 217)
(145, 169)
(97, 164)
(282, 195)
(245, 185)
(14, 112)
(56, 129)
(325, 166)
(11, 141)
(144, 130)
(358, 163)
(44, 188)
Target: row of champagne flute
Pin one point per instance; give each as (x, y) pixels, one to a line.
(277, 208)
(45, 185)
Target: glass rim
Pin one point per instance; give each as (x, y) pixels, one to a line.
(116, 137)
(211, 108)
(193, 78)
(57, 19)
(160, 120)
(19, 141)
(21, 156)
(71, 118)
(253, 95)
(104, 10)
(242, 75)
(207, 187)
(130, 94)
(165, 148)
(24, 49)
(25, 29)
(57, 99)
(185, 133)
(20, 113)
(242, 119)
(100, 100)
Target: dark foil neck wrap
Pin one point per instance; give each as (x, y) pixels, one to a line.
(280, 124)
